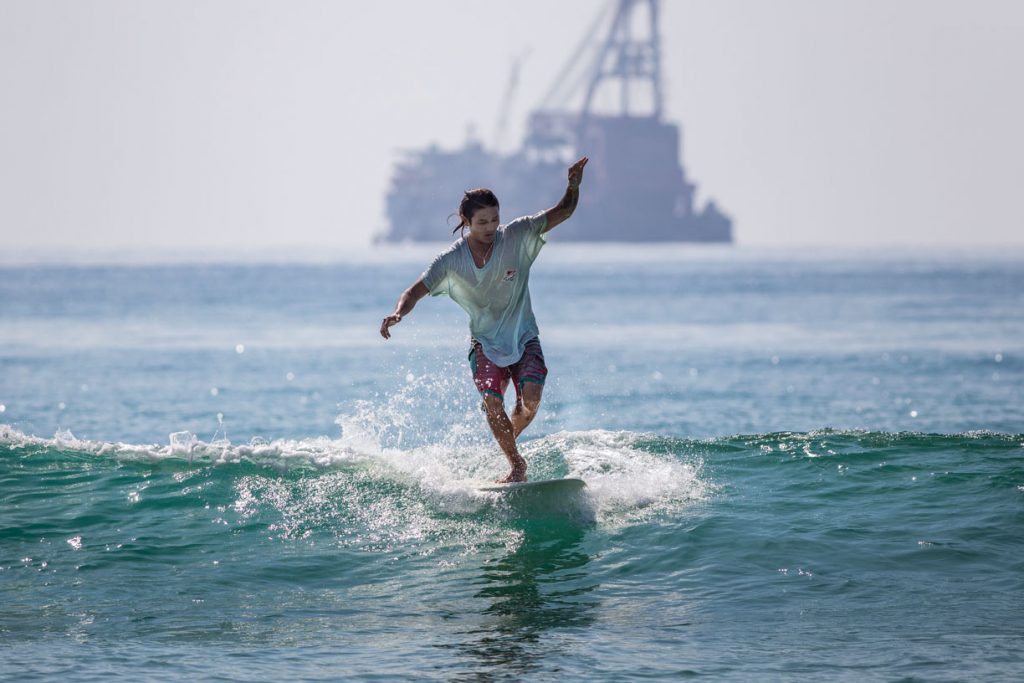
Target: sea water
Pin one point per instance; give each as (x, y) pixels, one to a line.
(800, 465)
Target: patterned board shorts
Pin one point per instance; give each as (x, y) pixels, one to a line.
(493, 379)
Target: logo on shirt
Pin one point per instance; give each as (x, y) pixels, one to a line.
(510, 275)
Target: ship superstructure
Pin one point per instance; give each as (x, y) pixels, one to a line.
(609, 108)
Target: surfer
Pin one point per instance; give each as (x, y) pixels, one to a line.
(487, 273)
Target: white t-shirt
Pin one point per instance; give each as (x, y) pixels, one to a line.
(497, 296)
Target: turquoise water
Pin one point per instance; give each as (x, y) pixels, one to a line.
(799, 467)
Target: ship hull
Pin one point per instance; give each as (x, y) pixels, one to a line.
(635, 188)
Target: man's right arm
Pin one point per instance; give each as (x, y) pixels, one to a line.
(405, 304)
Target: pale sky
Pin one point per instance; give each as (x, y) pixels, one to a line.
(249, 124)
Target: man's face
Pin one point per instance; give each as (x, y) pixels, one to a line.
(484, 224)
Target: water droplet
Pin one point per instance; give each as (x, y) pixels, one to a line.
(409, 377)
(75, 542)
(214, 391)
(694, 372)
(876, 381)
(999, 358)
(84, 388)
(62, 405)
(775, 360)
(290, 376)
(239, 348)
(3, 408)
(913, 413)
(657, 376)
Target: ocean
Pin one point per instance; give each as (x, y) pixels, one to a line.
(800, 464)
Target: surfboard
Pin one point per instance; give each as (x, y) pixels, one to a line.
(546, 486)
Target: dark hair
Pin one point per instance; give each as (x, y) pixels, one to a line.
(472, 200)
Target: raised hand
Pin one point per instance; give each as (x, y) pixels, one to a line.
(576, 173)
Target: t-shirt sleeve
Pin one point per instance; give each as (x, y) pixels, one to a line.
(435, 277)
(529, 230)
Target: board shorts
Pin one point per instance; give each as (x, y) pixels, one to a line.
(493, 379)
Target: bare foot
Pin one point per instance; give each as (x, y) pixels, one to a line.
(517, 474)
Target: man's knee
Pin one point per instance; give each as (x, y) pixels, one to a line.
(494, 403)
(531, 405)
(531, 396)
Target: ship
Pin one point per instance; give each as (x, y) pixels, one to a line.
(636, 188)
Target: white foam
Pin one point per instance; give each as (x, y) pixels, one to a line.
(321, 452)
(625, 483)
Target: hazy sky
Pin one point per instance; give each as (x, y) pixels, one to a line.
(255, 124)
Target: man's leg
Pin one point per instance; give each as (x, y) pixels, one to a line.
(501, 427)
(491, 382)
(526, 407)
(529, 375)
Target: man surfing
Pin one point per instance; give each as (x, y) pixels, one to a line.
(487, 273)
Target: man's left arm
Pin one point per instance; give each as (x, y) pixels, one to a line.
(563, 209)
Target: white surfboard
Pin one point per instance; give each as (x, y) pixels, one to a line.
(546, 486)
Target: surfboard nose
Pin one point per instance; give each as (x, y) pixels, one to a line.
(546, 499)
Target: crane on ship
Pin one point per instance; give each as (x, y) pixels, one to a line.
(618, 121)
(606, 103)
(628, 56)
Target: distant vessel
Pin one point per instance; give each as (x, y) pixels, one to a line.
(636, 187)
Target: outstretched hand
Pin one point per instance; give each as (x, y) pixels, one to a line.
(388, 322)
(576, 173)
